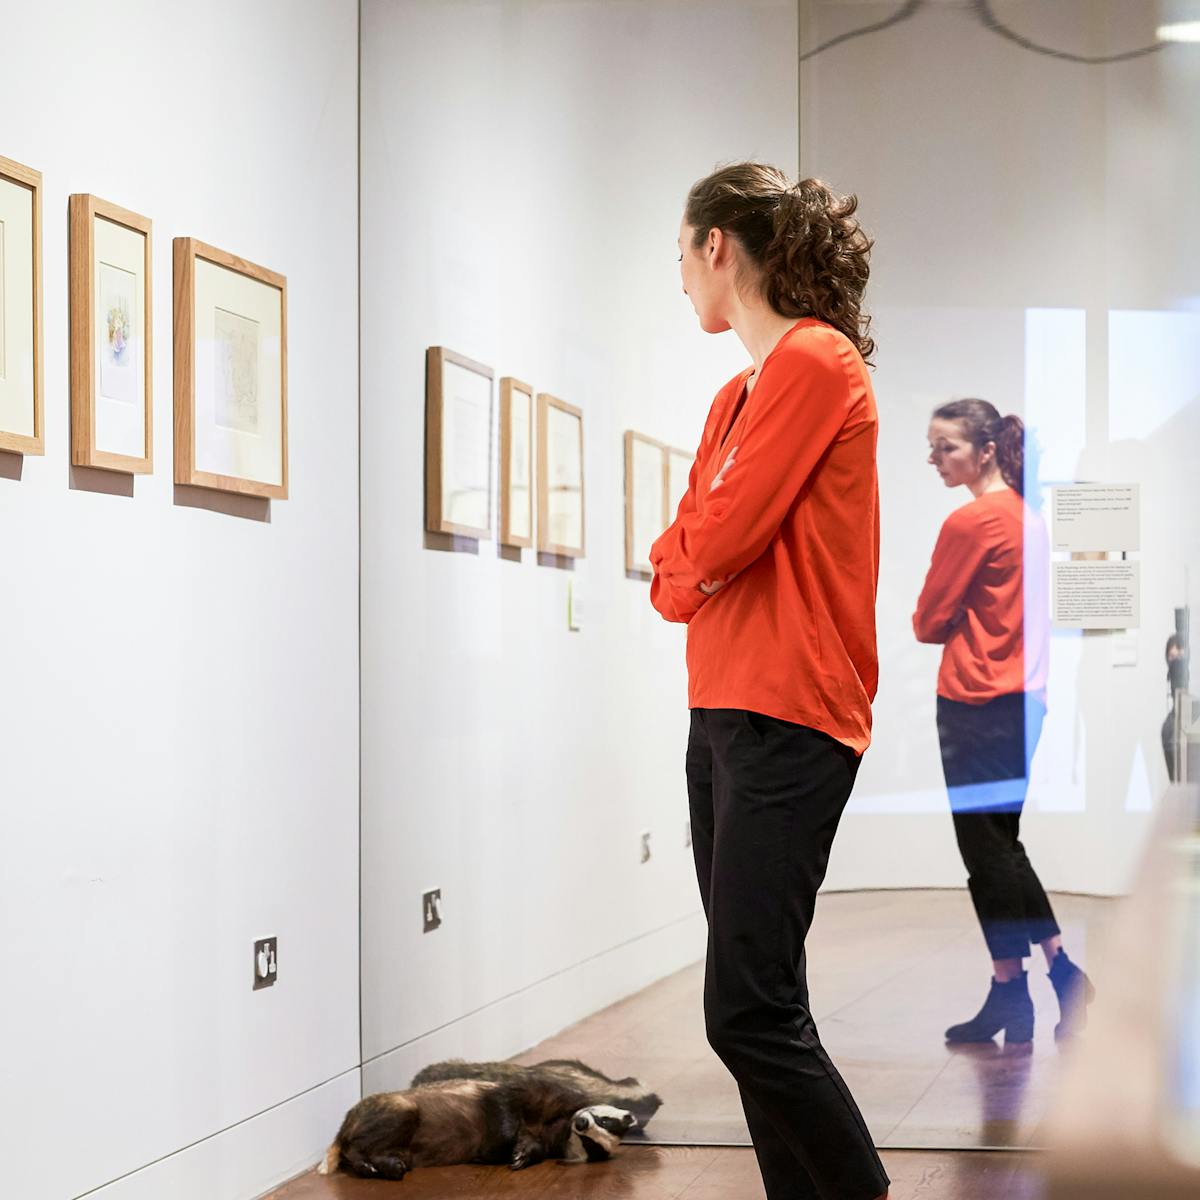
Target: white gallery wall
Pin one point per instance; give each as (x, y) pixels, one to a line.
(178, 697)
(524, 167)
(1034, 247)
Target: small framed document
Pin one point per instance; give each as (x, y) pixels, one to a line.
(679, 468)
(21, 428)
(516, 463)
(458, 445)
(230, 373)
(645, 499)
(110, 272)
(560, 478)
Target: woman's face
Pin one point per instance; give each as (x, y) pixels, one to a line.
(706, 275)
(956, 460)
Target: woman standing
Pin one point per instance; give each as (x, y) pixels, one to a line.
(772, 561)
(985, 600)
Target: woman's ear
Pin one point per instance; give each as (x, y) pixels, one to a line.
(716, 246)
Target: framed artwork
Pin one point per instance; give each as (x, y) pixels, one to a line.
(458, 445)
(110, 273)
(675, 480)
(21, 427)
(230, 373)
(516, 463)
(560, 478)
(645, 499)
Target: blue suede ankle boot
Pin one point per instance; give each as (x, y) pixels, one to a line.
(1075, 992)
(1007, 1007)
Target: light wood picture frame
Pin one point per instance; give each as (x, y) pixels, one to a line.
(458, 445)
(22, 425)
(112, 409)
(231, 418)
(645, 499)
(516, 463)
(561, 490)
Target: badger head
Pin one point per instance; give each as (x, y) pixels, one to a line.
(597, 1131)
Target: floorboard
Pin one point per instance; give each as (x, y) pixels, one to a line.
(682, 1173)
(888, 971)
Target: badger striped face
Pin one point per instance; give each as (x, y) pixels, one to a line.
(599, 1130)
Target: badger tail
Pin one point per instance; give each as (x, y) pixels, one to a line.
(455, 1068)
(331, 1161)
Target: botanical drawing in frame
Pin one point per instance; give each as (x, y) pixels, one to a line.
(560, 478)
(458, 445)
(645, 497)
(21, 418)
(111, 358)
(230, 373)
(516, 463)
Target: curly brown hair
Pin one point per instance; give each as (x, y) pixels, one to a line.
(809, 252)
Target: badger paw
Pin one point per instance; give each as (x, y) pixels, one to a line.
(392, 1166)
(526, 1152)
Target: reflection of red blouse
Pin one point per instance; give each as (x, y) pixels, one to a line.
(783, 500)
(985, 598)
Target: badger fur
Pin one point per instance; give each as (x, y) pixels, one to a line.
(519, 1122)
(625, 1093)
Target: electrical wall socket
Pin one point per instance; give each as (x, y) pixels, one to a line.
(687, 833)
(266, 965)
(645, 845)
(431, 910)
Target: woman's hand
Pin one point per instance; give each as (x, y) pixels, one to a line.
(711, 589)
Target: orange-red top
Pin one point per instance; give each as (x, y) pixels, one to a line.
(783, 503)
(985, 597)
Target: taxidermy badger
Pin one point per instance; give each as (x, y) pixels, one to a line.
(531, 1114)
(625, 1093)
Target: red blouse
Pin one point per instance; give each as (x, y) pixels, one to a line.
(783, 502)
(985, 598)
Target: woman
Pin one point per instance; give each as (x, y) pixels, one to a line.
(772, 562)
(985, 600)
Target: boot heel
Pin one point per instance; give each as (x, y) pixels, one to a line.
(1019, 1031)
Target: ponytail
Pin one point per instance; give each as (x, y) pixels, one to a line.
(816, 263)
(1010, 451)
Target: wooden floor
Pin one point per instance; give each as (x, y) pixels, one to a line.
(683, 1173)
(888, 971)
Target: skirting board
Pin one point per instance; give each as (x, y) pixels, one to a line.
(249, 1159)
(516, 1022)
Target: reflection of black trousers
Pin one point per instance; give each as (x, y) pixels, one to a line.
(986, 752)
(766, 797)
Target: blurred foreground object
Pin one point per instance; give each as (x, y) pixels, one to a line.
(1127, 1119)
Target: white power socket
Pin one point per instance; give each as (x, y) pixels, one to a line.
(266, 964)
(431, 910)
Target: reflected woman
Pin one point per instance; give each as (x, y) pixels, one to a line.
(985, 601)
(772, 562)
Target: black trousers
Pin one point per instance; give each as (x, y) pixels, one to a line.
(766, 797)
(986, 752)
